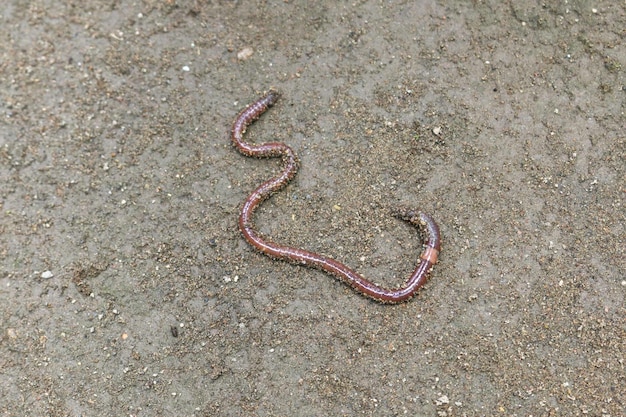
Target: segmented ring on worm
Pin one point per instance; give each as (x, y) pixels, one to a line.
(428, 257)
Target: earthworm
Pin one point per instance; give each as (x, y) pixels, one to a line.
(428, 257)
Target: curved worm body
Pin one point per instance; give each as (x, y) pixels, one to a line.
(428, 258)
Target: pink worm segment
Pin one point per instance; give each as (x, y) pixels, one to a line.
(428, 258)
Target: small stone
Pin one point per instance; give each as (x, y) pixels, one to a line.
(47, 275)
(442, 400)
(245, 53)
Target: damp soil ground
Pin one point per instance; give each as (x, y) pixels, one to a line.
(127, 289)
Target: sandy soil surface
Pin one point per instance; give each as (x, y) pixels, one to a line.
(127, 290)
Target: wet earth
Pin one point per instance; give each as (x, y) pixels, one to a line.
(127, 289)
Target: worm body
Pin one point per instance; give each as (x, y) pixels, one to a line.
(428, 258)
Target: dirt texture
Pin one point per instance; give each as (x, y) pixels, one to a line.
(126, 288)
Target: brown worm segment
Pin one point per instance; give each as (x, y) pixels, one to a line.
(428, 258)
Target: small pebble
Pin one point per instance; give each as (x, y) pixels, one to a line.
(245, 53)
(442, 400)
(47, 274)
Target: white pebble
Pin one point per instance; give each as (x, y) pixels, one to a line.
(245, 53)
(442, 400)
(47, 274)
